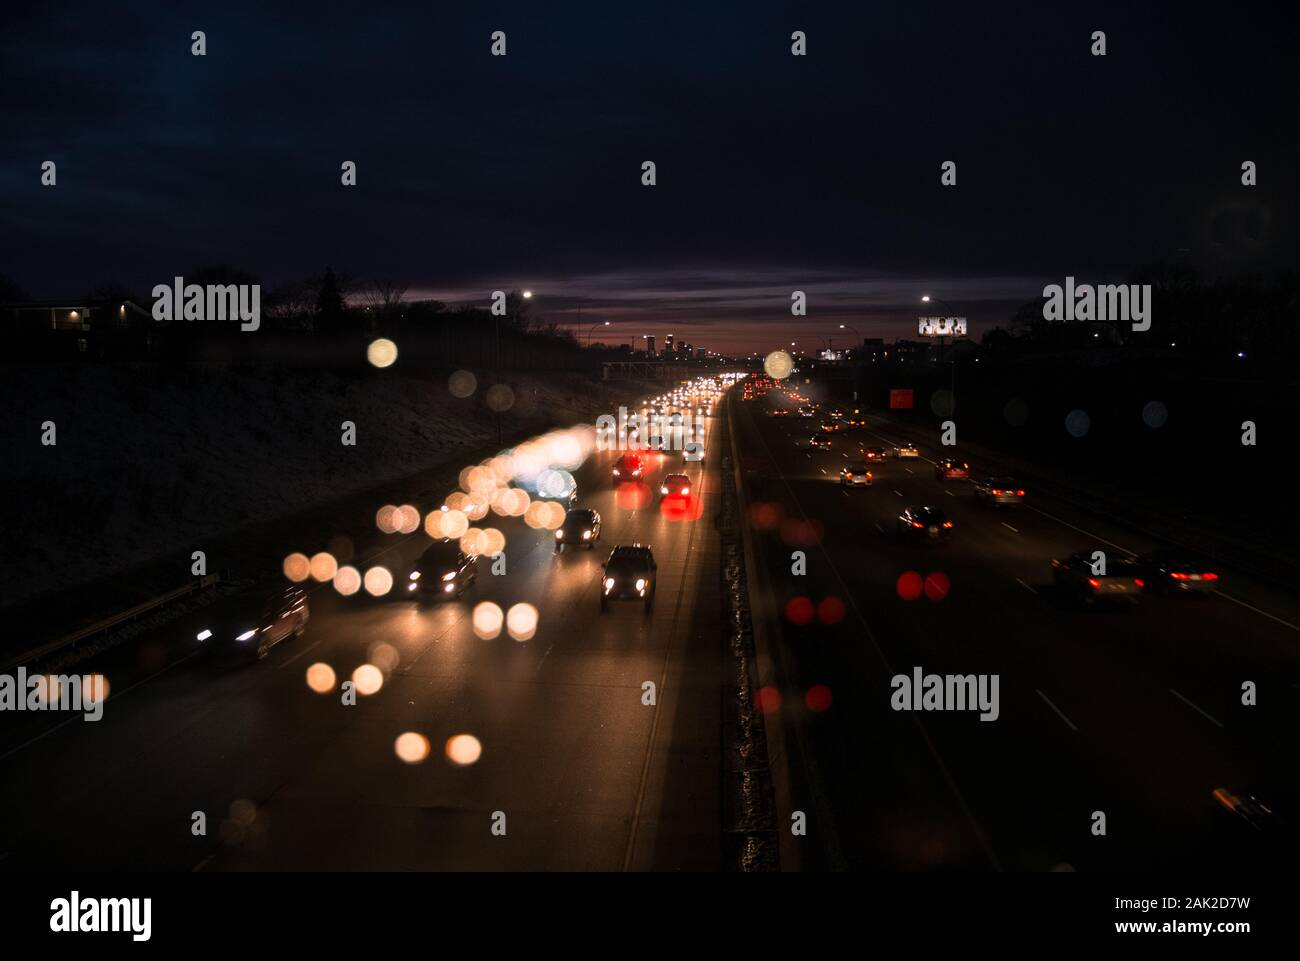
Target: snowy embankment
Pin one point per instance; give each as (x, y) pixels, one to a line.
(150, 461)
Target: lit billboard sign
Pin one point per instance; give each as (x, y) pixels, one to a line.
(942, 327)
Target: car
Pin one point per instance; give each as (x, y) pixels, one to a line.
(1177, 572)
(580, 527)
(1081, 577)
(999, 492)
(874, 455)
(251, 622)
(855, 423)
(443, 571)
(807, 411)
(951, 469)
(906, 452)
(924, 521)
(675, 485)
(778, 412)
(629, 467)
(555, 488)
(631, 572)
(822, 441)
(855, 475)
(835, 413)
(829, 427)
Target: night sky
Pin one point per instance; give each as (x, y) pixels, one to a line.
(774, 172)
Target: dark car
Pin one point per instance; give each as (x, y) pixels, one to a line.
(629, 467)
(581, 527)
(1090, 580)
(951, 469)
(1177, 572)
(875, 455)
(443, 570)
(924, 522)
(250, 623)
(820, 441)
(999, 492)
(629, 572)
(675, 485)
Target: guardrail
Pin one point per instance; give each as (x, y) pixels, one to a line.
(108, 623)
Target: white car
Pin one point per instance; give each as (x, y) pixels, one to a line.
(906, 451)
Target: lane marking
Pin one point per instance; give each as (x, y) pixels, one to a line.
(1010, 528)
(899, 493)
(909, 470)
(1082, 531)
(1057, 710)
(879, 528)
(1026, 586)
(1252, 607)
(950, 493)
(202, 864)
(1203, 714)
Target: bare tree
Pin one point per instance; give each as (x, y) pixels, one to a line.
(381, 298)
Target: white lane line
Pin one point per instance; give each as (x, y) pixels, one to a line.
(899, 493)
(1252, 607)
(882, 530)
(822, 469)
(299, 654)
(1059, 713)
(202, 864)
(950, 493)
(1203, 714)
(1010, 528)
(909, 470)
(1082, 531)
(1026, 586)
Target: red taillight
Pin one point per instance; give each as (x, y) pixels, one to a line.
(1093, 582)
(1179, 576)
(1139, 582)
(917, 524)
(1020, 493)
(1211, 576)
(997, 493)
(947, 523)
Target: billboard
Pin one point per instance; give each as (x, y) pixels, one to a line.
(900, 398)
(942, 326)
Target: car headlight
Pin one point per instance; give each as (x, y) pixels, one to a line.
(451, 576)
(686, 490)
(204, 634)
(449, 588)
(640, 583)
(246, 635)
(415, 575)
(609, 583)
(586, 535)
(559, 535)
(663, 490)
(615, 471)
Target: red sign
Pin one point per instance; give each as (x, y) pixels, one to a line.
(900, 399)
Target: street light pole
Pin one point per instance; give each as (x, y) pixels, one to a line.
(952, 383)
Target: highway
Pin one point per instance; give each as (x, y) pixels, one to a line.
(1135, 713)
(586, 775)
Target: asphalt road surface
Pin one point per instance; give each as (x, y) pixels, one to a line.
(586, 775)
(1135, 713)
